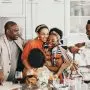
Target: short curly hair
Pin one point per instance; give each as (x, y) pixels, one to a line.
(36, 58)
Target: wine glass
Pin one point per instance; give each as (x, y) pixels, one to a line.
(1, 75)
(18, 76)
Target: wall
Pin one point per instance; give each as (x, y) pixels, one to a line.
(47, 12)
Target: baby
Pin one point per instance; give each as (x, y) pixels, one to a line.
(55, 55)
(30, 83)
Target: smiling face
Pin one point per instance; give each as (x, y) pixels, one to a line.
(12, 32)
(53, 32)
(52, 40)
(43, 34)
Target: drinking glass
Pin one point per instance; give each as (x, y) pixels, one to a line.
(18, 76)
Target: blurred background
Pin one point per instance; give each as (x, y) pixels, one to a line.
(68, 15)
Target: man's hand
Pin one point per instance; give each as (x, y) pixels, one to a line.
(80, 44)
(74, 49)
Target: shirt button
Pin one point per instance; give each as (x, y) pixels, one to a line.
(9, 63)
(8, 72)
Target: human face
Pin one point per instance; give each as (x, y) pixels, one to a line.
(13, 32)
(43, 34)
(52, 41)
(88, 30)
(31, 80)
(53, 32)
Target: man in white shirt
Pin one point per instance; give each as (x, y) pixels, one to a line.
(10, 46)
(83, 48)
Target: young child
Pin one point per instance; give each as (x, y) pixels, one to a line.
(36, 59)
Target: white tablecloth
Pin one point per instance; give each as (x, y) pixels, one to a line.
(9, 86)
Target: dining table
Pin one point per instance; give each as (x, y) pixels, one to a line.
(77, 82)
(6, 85)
